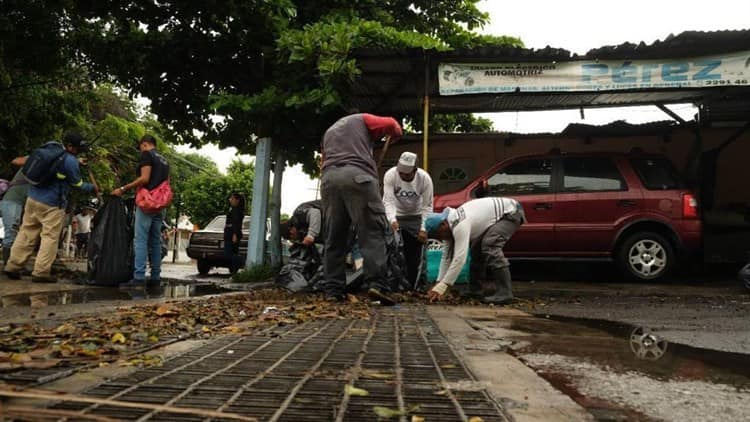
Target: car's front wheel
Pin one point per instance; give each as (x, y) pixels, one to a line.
(204, 266)
(646, 256)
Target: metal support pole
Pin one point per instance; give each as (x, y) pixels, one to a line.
(257, 241)
(275, 243)
(426, 119)
(175, 231)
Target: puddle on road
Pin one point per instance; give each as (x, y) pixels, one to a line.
(621, 372)
(623, 347)
(99, 294)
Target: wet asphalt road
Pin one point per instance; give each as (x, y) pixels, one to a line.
(709, 310)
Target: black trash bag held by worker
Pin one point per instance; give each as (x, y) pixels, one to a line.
(396, 274)
(110, 249)
(303, 271)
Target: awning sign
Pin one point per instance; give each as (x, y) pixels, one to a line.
(585, 75)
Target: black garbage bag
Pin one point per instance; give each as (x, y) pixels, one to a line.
(396, 275)
(303, 271)
(110, 249)
(744, 276)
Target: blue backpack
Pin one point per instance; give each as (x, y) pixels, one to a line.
(43, 163)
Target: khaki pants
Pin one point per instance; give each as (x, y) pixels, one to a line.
(38, 219)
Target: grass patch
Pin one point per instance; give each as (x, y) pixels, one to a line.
(256, 274)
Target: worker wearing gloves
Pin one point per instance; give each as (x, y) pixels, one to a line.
(407, 196)
(483, 226)
(350, 195)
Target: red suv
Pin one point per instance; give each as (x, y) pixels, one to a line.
(630, 208)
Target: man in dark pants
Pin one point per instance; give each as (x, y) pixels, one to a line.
(351, 197)
(482, 226)
(407, 196)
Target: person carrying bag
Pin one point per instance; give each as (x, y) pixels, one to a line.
(153, 195)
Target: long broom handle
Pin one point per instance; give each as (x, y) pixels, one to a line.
(385, 150)
(96, 185)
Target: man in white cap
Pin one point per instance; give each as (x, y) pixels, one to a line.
(407, 196)
(483, 226)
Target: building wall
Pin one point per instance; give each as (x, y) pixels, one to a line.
(457, 159)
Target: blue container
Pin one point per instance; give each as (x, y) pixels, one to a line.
(434, 256)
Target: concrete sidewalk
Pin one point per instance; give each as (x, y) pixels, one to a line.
(521, 392)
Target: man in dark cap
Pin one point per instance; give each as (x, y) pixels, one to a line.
(351, 198)
(152, 172)
(44, 211)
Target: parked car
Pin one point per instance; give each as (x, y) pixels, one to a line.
(206, 246)
(630, 208)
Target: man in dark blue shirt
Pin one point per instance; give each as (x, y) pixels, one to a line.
(44, 214)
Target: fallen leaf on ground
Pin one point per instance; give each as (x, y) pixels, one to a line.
(165, 310)
(354, 391)
(118, 338)
(415, 418)
(351, 298)
(20, 357)
(384, 412)
(476, 419)
(369, 373)
(65, 329)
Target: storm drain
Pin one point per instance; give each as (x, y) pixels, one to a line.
(395, 365)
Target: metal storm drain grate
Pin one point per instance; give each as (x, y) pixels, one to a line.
(393, 366)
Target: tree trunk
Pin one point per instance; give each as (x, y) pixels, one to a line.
(275, 242)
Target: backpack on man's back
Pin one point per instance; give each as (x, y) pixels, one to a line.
(43, 163)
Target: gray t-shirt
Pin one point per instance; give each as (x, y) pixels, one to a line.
(348, 142)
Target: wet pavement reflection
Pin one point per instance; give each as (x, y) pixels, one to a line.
(623, 347)
(100, 294)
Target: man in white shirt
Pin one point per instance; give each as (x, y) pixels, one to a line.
(407, 196)
(83, 229)
(483, 226)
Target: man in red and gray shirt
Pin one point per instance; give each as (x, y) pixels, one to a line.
(351, 197)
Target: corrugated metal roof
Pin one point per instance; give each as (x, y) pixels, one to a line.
(393, 82)
(574, 130)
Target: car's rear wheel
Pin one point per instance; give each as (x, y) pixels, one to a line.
(646, 256)
(204, 266)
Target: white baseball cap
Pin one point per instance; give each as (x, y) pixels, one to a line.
(407, 163)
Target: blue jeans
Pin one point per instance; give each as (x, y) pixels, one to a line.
(11, 212)
(147, 243)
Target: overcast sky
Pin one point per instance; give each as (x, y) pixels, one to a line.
(577, 26)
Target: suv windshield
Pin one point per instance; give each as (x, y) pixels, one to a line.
(657, 173)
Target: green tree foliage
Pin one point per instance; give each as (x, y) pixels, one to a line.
(41, 92)
(205, 196)
(279, 68)
(451, 123)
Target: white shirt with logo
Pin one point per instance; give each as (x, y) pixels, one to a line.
(468, 222)
(403, 198)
